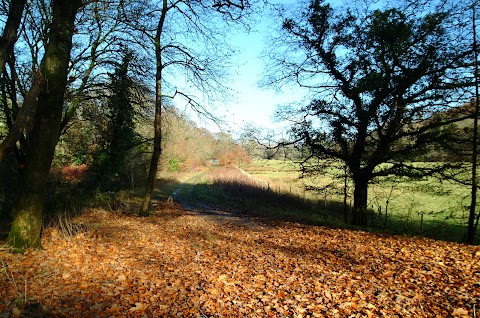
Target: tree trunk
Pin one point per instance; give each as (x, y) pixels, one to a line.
(24, 118)
(360, 199)
(9, 36)
(7, 42)
(152, 173)
(28, 210)
(157, 140)
(157, 151)
(472, 225)
(345, 194)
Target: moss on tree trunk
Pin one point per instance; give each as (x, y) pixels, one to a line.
(25, 231)
(28, 210)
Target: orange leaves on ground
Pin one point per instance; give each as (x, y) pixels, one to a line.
(179, 264)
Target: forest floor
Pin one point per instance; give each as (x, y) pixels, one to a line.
(181, 263)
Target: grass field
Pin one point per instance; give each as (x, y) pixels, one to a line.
(273, 188)
(426, 207)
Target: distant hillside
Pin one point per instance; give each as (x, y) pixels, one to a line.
(456, 143)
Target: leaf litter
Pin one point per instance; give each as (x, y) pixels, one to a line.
(176, 263)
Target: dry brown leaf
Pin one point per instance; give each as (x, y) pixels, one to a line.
(16, 312)
(460, 312)
(138, 307)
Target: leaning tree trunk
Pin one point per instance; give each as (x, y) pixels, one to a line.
(9, 36)
(28, 210)
(7, 42)
(24, 118)
(157, 139)
(360, 199)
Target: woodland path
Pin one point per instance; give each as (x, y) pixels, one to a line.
(183, 196)
(184, 190)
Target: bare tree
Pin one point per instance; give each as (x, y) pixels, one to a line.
(188, 40)
(380, 80)
(96, 44)
(96, 48)
(7, 42)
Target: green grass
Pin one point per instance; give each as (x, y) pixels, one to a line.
(229, 189)
(425, 207)
(273, 189)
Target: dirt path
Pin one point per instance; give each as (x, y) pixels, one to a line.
(183, 192)
(183, 196)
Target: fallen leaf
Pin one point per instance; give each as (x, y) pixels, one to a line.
(16, 312)
(460, 312)
(138, 307)
(250, 270)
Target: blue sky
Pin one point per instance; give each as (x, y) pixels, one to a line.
(251, 104)
(254, 105)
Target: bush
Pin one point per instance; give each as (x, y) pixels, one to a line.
(173, 165)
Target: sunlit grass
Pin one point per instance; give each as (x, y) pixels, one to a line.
(423, 207)
(232, 189)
